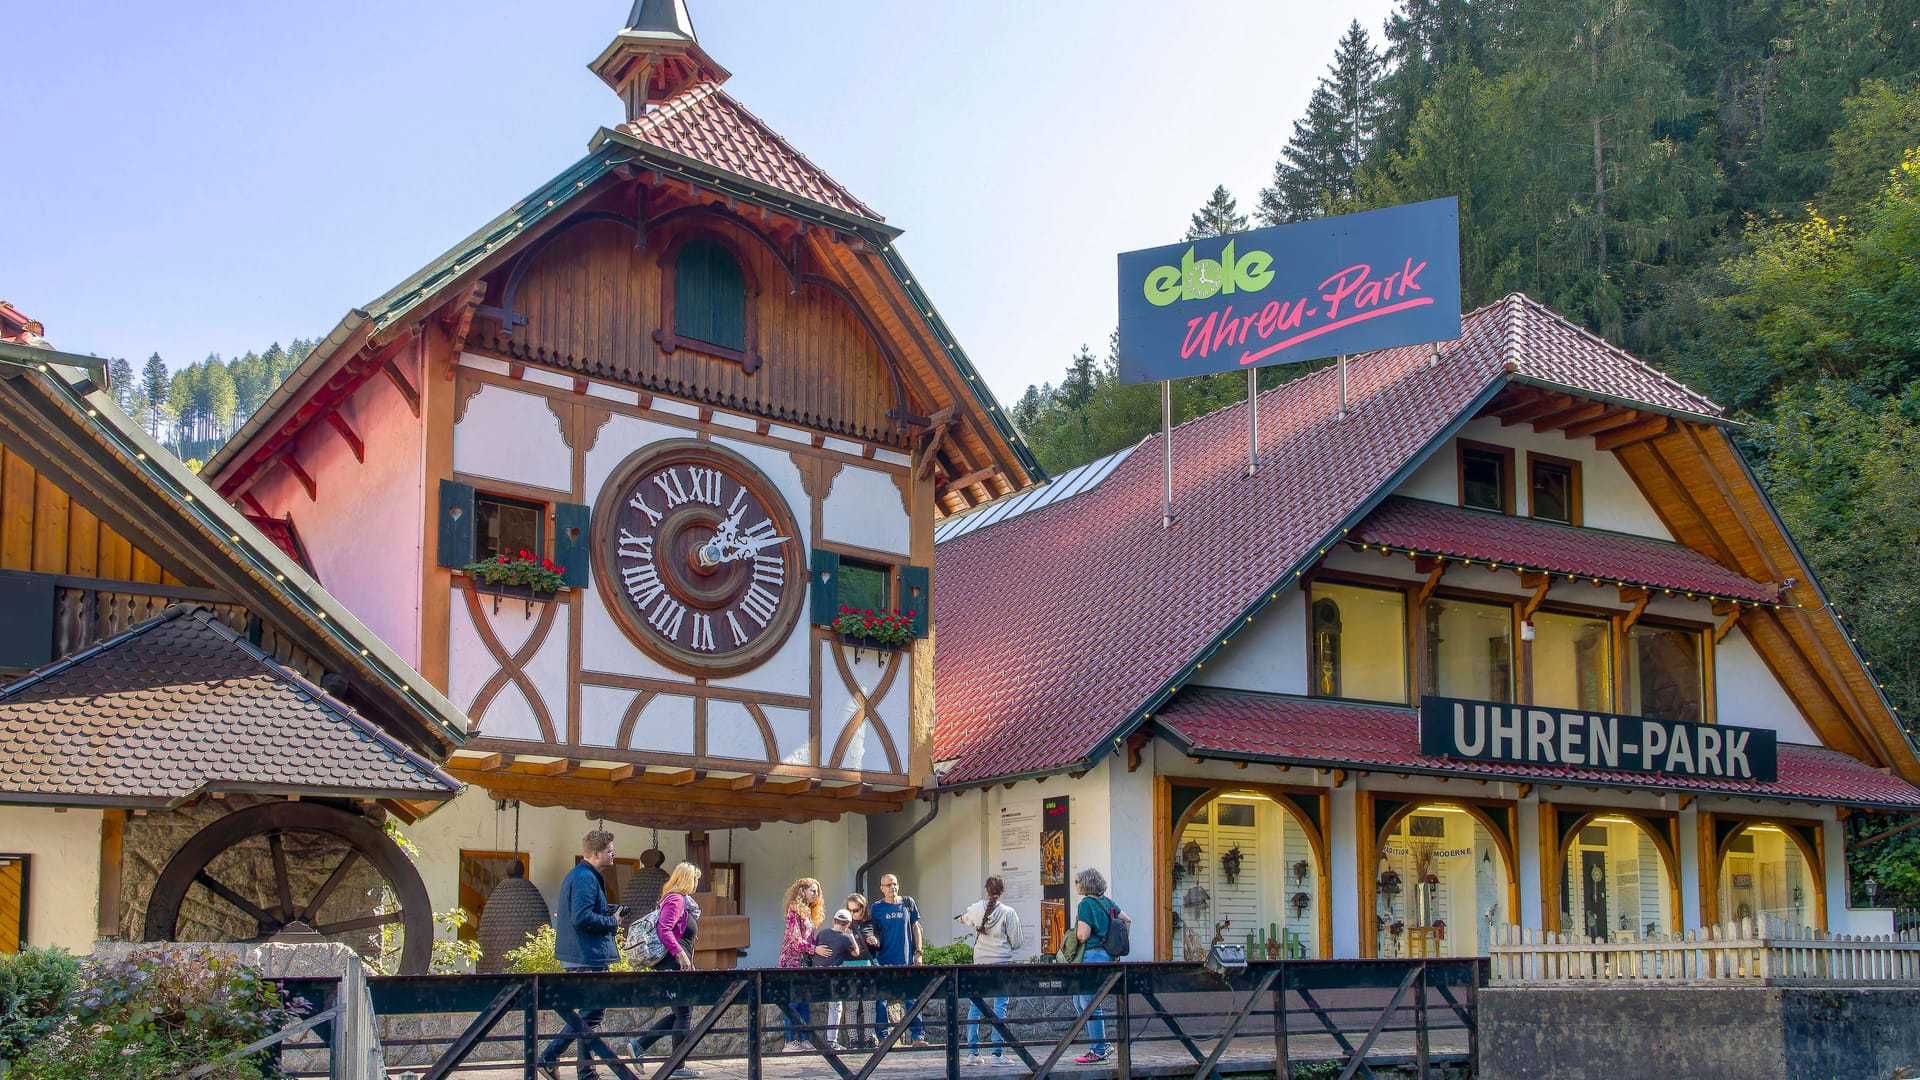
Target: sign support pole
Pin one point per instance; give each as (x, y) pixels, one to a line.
(1166, 450)
(1253, 421)
(1343, 384)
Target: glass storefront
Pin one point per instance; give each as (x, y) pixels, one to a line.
(1245, 860)
(1614, 884)
(1572, 662)
(1664, 678)
(1359, 642)
(1765, 873)
(1442, 885)
(1469, 650)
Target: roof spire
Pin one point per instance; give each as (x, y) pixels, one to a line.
(655, 56)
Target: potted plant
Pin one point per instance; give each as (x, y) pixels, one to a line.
(520, 575)
(867, 629)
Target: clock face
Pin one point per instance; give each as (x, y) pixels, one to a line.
(697, 557)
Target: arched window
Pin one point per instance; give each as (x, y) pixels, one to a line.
(709, 296)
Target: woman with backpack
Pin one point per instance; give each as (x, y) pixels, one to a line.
(1100, 933)
(675, 923)
(996, 937)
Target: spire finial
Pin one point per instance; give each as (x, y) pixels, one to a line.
(655, 56)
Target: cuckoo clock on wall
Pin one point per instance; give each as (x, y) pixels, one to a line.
(698, 558)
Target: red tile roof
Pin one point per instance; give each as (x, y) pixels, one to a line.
(180, 704)
(1289, 730)
(1453, 531)
(1059, 626)
(705, 123)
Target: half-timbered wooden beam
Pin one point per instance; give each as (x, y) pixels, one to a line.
(1650, 428)
(1539, 583)
(306, 479)
(1534, 410)
(339, 424)
(1425, 589)
(1638, 598)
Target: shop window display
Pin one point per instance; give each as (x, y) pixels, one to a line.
(1442, 885)
(1359, 643)
(1572, 662)
(1614, 884)
(1470, 650)
(1665, 677)
(1766, 874)
(1245, 860)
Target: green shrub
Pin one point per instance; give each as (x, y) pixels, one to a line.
(34, 987)
(536, 956)
(156, 1014)
(957, 953)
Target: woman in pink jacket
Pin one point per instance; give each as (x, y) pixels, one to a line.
(804, 911)
(676, 926)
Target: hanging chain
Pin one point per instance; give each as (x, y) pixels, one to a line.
(516, 827)
(656, 840)
(729, 845)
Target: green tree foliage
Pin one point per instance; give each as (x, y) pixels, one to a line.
(1319, 171)
(1220, 216)
(125, 387)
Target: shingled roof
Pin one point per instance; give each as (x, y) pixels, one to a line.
(181, 705)
(1060, 627)
(1243, 726)
(706, 124)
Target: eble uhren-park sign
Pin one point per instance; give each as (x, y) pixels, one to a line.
(1280, 295)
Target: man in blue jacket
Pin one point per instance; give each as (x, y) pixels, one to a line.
(585, 926)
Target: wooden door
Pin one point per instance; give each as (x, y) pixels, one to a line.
(1593, 882)
(13, 902)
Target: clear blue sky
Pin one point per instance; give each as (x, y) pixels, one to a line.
(217, 175)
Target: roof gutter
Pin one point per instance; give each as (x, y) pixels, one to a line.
(860, 875)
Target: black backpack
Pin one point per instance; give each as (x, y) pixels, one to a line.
(1118, 941)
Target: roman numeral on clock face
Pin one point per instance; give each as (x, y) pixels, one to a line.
(669, 483)
(759, 604)
(702, 631)
(771, 569)
(667, 616)
(739, 632)
(643, 584)
(635, 547)
(704, 485)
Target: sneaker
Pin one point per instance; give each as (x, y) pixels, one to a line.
(1090, 1058)
(793, 1048)
(972, 1059)
(547, 1071)
(1007, 1061)
(686, 1071)
(920, 1042)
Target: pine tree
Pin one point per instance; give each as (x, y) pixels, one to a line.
(154, 381)
(1318, 172)
(120, 374)
(1219, 217)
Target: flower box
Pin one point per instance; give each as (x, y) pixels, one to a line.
(882, 631)
(525, 578)
(859, 643)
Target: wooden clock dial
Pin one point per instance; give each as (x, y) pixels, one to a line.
(698, 558)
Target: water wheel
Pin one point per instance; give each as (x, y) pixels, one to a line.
(250, 874)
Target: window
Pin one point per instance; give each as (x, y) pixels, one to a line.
(506, 526)
(1358, 642)
(480, 871)
(1664, 679)
(1469, 650)
(866, 586)
(1766, 873)
(1486, 477)
(1572, 662)
(14, 882)
(709, 296)
(1553, 489)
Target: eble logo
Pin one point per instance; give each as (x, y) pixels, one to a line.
(1198, 279)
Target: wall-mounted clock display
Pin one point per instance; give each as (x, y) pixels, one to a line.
(698, 558)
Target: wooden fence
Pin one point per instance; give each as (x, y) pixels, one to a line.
(1770, 952)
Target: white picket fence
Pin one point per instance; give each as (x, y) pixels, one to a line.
(1772, 951)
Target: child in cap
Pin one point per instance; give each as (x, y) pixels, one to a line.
(833, 947)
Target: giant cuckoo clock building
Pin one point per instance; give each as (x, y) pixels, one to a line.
(693, 372)
(1506, 634)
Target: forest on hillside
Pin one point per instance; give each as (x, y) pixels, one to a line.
(1728, 189)
(194, 410)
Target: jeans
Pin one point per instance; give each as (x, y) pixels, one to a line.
(993, 1033)
(677, 1020)
(883, 1013)
(591, 1018)
(797, 1029)
(1096, 1027)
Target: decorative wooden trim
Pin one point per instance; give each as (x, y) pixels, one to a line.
(1649, 428)
(766, 730)
(339, 424)
(1539, 583)
(623, 738)
(466, 388)
(616, 680)
(400, 383)
(864, 706)
(1606, 421)
(1574, 413)
(512, 668)
(254, 504)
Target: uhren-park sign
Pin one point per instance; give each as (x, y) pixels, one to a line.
(1531, 735)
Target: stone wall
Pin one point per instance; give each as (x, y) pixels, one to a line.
(152, 839)
(1699, 1032)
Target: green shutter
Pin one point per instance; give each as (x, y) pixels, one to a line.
(570, 521)
(916, 595)
(709, 296)
(825, 580)
(456, 524)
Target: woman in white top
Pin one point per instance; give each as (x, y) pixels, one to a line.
(996, 937)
